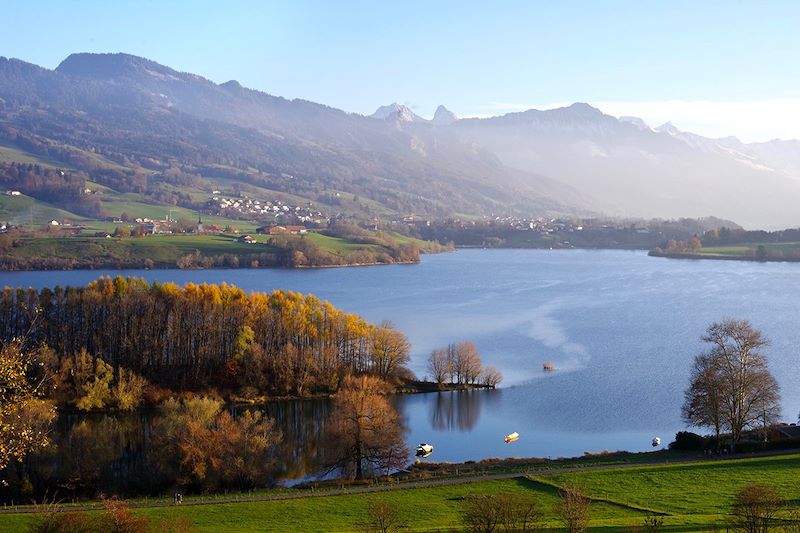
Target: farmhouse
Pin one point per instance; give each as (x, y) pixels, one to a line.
(247, 239)
(278, 230)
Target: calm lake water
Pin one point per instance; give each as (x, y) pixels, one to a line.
(620, 327)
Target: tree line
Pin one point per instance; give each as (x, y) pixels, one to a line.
(198, 337)
(460, 364)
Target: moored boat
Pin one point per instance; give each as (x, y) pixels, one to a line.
(424, 450)
(512, 437)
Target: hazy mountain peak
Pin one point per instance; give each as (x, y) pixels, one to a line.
(109, 66)
(583, 110)
(636, 121)
(231, 85)
(398, 112)
(668, 127)
(443, 116)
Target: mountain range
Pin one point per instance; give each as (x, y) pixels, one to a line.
(148, 123)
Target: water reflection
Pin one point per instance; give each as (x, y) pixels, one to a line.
(110, 453)
(460, 410)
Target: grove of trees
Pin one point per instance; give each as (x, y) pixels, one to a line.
(461, 364)
(110, 335)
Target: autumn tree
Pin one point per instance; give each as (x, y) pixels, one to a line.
(573, 509)
(733, 378)
(389, 351)
(754, 508)
(364, 428)
(84, 381)
(196, 337)
(128, 390)
(25, 417)
(439, 366)
(464, 361)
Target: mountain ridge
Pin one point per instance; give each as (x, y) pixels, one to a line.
(569, 160)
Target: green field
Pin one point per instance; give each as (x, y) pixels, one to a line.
(689, 496)
(24, 210)
(162, 249)
(166, 250)
(11, 154)
(787, 250)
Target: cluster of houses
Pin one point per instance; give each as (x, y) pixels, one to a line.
(540, 224)
(244, 205)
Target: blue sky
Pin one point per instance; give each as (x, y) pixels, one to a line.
(717, 68)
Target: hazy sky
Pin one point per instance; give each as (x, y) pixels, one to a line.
(716, 68)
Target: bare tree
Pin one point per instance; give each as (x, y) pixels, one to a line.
(469, 361)
(702, 405)
(518, 514)
(749, 394)
(490, 377)
(383, 517)
(481, 514)
(439, 366)
(573, 509)
(754, 508)
(509, 513)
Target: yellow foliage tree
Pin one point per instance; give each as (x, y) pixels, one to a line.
(24, 417)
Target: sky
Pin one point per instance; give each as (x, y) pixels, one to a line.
(714, 68)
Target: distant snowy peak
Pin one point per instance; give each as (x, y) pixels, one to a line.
(396, 112)
(669, 127)
(636, 121)
(443, 116)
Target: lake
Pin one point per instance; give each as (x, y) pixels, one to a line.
(621, 329)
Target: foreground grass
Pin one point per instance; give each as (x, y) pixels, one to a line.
(690, 496)
(686, 489)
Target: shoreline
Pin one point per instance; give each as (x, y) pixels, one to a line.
(697, 257)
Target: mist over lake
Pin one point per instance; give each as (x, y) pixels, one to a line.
(620, 328)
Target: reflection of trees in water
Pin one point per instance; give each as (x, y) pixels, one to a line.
(460, 410)
(109, 452)
(90, 453)
(303, 423)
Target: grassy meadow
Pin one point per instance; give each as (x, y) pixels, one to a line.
(689, 496)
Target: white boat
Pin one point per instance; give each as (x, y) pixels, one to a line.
(656, 442)
(424, 450)
(512, 437)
